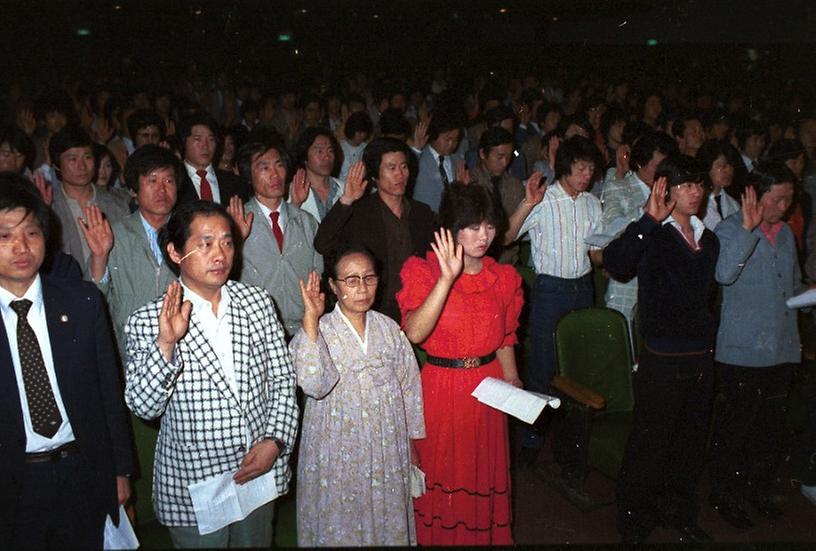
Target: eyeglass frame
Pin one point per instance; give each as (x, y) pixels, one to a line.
(374, 278)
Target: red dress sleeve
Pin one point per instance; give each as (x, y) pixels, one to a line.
(514, 301)
(418, 280)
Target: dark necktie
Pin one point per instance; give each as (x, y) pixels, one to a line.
(442, 173)
(718, 199)
(42, 406)
(495, 182)
(206, 190)
(276, 229)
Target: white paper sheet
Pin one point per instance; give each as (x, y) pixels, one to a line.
(219, 501)
(802, 300)
(417, 481)
(122, 536)
(523, 404)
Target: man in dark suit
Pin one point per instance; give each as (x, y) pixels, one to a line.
(65, 439)
(386, 223)
(200, 137)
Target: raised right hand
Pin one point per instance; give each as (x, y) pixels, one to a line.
(300, 188)
(355, 183)
(449, 254)
(751, 209)
(174, 318)
(97, 231)
(314, 302)
(658, 205)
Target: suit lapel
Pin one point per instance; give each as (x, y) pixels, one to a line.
(240, 344)
(9, 394)
(266, 239)
(62, 326)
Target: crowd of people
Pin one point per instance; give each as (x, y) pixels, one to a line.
(195, 254)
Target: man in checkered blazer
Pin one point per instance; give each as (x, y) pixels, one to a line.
(210, 359)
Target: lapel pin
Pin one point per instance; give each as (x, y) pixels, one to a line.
(64, 318)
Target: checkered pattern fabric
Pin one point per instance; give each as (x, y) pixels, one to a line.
(206, 428)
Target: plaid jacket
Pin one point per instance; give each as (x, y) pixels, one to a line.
(207, 429)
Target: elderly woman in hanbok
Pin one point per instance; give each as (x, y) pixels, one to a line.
(363, 409)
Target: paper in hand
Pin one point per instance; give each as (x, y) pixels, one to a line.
(122, 536)
(519, 403)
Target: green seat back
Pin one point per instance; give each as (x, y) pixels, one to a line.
(592, 347)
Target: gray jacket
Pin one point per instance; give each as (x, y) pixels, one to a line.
(265, 266)
(134, 278)
(757, 329)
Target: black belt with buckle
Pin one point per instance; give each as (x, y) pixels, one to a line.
(66, 450)
(465, 363)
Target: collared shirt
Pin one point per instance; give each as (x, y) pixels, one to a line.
(282, 218)
(772, 232)
(152, 239)
(211, 179)
(76, 214)
(351, 154)
(448, 164)
(696, 225)
(748, 162)
(558, 227)
(728, 204)
(334, 194)
(216, 328)
(37, 320)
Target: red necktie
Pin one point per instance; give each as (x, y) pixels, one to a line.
(276, 229)
(206, 190)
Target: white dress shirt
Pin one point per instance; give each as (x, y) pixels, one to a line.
(36, 319)
(558, 226)
(447, 163)
(696, 225)
(211, 179)
(216, 328)
(282, 218)
(728, 204)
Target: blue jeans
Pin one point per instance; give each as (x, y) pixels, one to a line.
(553, 298)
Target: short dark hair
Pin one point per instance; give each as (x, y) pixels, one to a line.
(358, 122)
(646, 145)
(442, 122)
(374, 151)
(394, 123)
(249, 106)
(142, 119)
(308, 137)
(680, 169)
(250, 150)
(786, 150)
(578, 120)
(768, 174)
(495, 116)
(464, 205)
(185, 126)
(100, 152)
(679, 124)
(494, 137)
(344, 251)
(18, 193)
(746, 129)
(20, 142)
(610, 118)
(577, 148)
(145, 160)
(177, 229)
(69, 137)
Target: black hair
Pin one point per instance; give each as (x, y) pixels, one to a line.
(249, 151)
(545, 108)
(768, 174)
(142, 119)
(184, 129)
(178, 227)
(69, 137)
(145, 160)
(464, 205)
(610, 118)
(18, 193)
(20, 142)
(339, 254)
(495, 116)
(359, 122)
(679, 124)
(746, 129)
(786, 150)
(440, 123)
(494, 137)
(646, 145)
(393, 123)
(374, 151)
(711, 150)
(100, 152)
(55, 101)
(577, 148)
(249, 106)
(308, 137)
(680, 169)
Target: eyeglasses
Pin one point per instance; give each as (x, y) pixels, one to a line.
(353, 281)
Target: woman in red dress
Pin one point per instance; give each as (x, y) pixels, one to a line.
(462, 307)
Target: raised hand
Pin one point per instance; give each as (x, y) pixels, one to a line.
(658, 205)
(535, 189)
(421, 132)
(242, 220)
(45, 189)
(449, 254)
(752, 209)
(462, 172)
(174, 319)
(552, 149)
(314, 301)
(300, 188)
(355, 183)
(97, 231)
(26, 121)
(622, 160)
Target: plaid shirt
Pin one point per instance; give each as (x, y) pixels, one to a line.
(207, 428)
